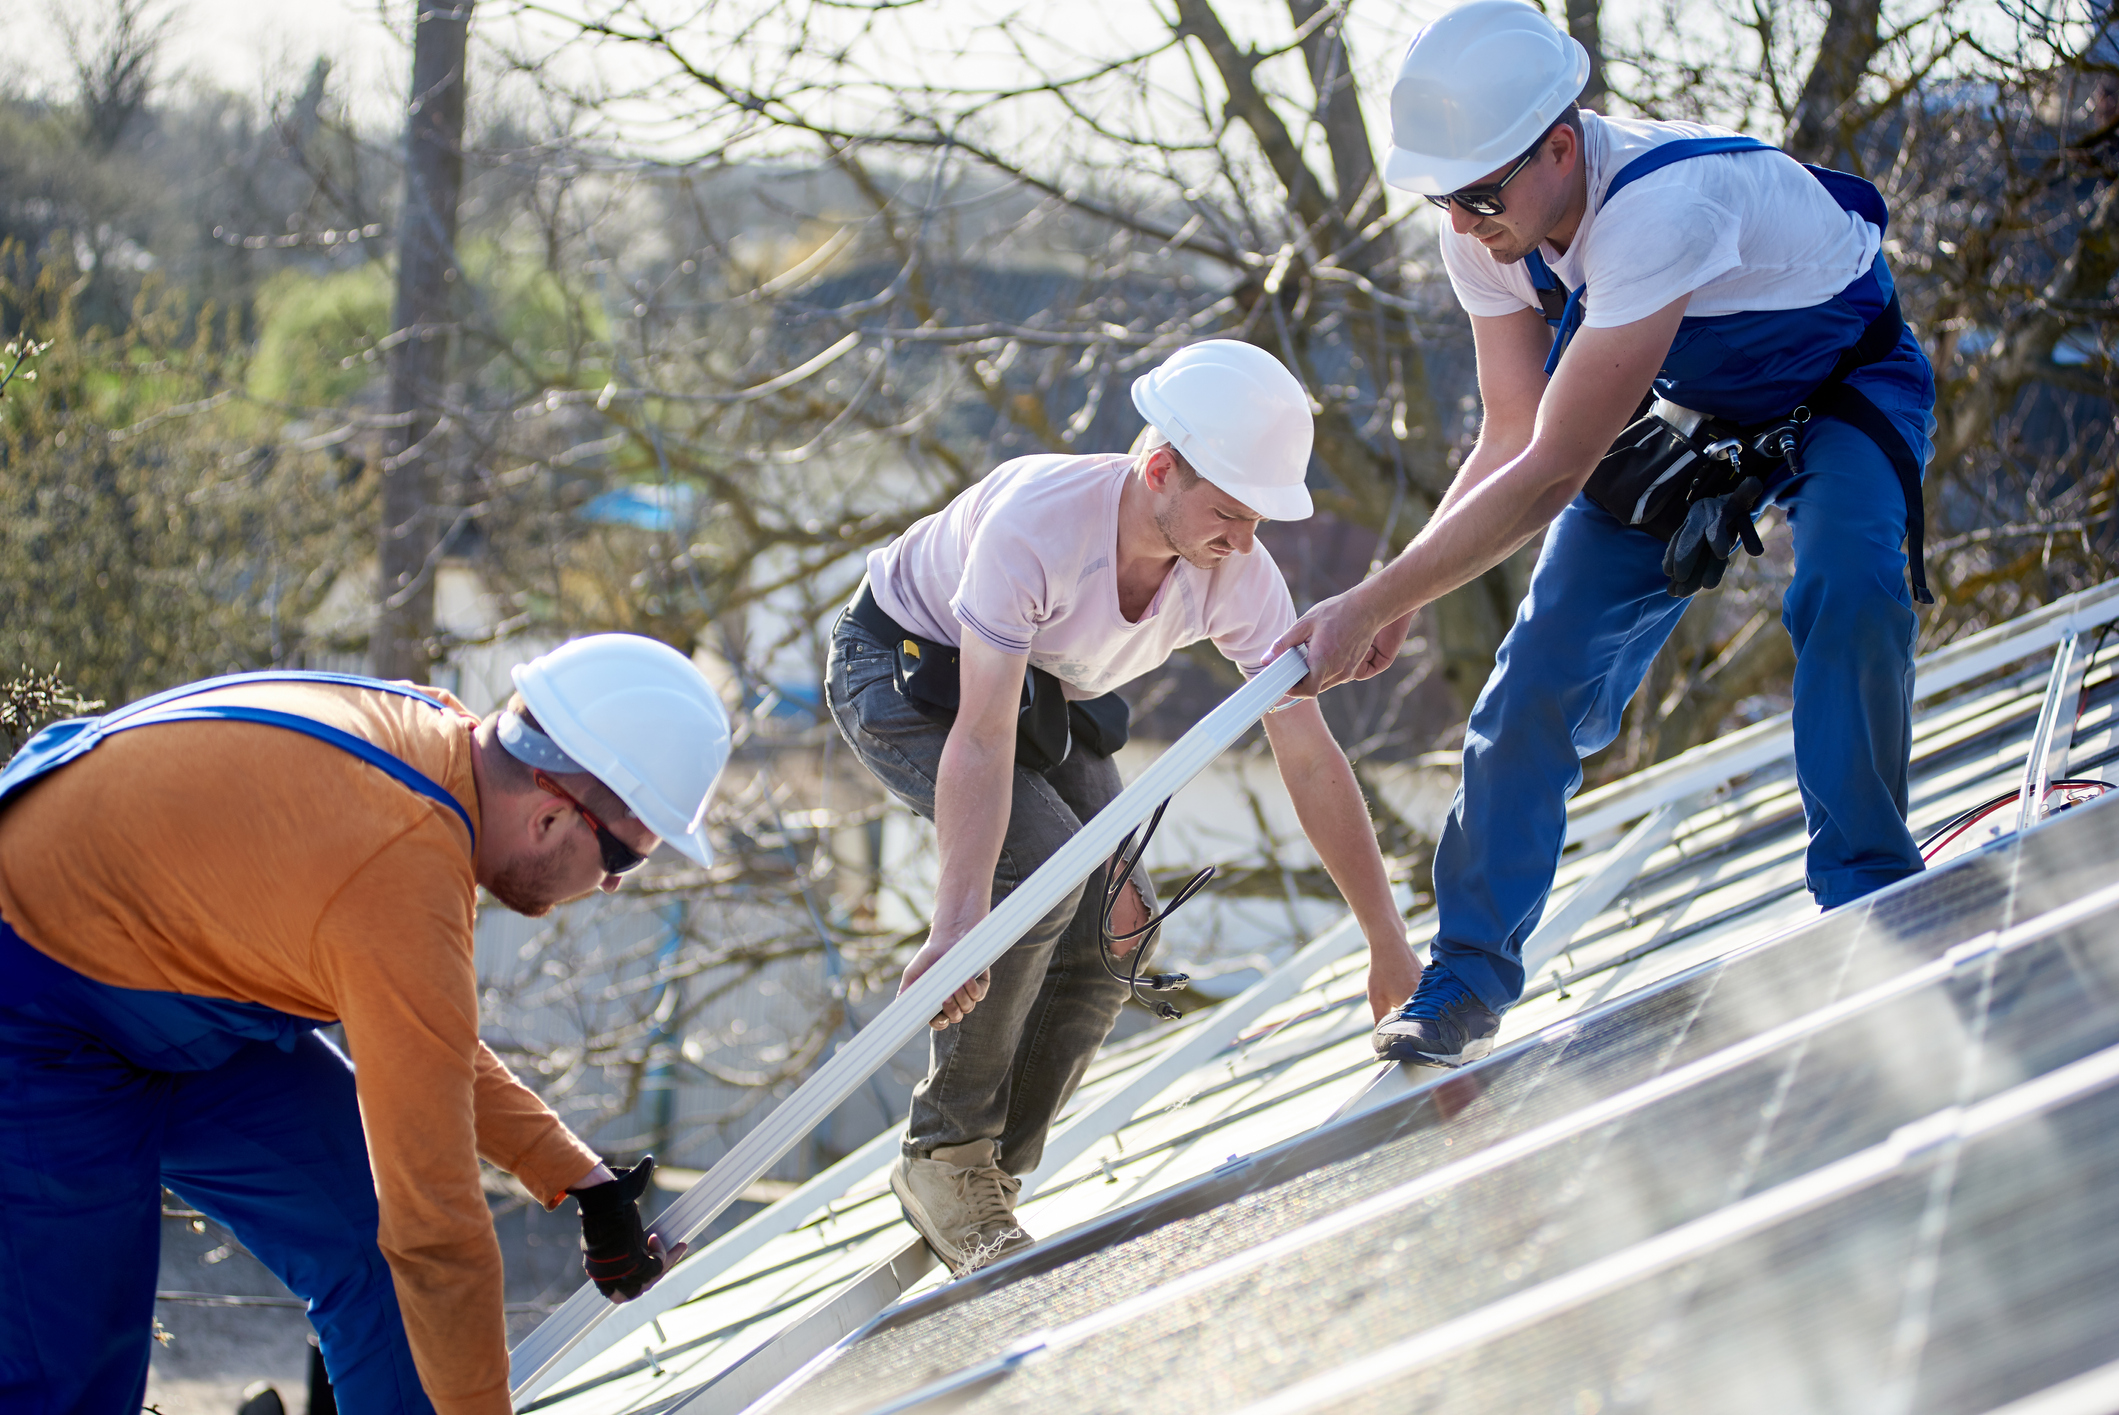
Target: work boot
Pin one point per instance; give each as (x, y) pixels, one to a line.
(1442, 1024)
(962, 1203)
(261, 1399)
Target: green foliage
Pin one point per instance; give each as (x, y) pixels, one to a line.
(152, 527)
(317, 335)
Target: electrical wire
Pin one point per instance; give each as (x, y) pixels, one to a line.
(1964, 820)
(1113, 884)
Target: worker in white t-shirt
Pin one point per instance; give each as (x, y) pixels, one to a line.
(973, 675)
(1676, 326)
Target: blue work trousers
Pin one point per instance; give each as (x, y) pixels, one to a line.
(1598, 610)
(106, 1095)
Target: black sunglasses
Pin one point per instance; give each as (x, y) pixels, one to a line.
(618, 857)
(1486, 201)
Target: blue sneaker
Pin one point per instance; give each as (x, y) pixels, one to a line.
(1442, 1024)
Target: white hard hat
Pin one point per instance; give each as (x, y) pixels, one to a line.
(1475, 90)
(641, 718)
(1239, 418)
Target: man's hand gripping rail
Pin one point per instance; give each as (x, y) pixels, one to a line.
(909, 1013)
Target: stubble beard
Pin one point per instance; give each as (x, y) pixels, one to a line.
(1520, 245)
(1166, 527)
(527, 888)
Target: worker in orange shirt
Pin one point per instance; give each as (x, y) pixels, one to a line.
(191, 886)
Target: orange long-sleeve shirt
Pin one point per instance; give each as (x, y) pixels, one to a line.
(240, 861)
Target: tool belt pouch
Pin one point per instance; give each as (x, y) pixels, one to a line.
(928, 675)
(1100, 725)
(1656, 468)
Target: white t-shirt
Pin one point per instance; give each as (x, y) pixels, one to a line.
(1736, 230)
(1027, 560)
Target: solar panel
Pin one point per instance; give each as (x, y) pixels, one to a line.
(1732, 1081)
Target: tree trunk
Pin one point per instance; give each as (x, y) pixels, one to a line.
(1585, 23)
(1820, 127)
(403, 643)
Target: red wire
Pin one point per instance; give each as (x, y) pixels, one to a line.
(2003, 804)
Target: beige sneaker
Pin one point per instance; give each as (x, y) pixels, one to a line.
(962, 1204)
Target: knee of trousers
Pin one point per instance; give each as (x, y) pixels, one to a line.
(1856, 609)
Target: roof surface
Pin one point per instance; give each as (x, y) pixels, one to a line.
(1730, 1155)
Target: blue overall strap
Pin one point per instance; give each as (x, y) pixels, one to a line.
(270, 675)
(62, 742)
(1569, 317)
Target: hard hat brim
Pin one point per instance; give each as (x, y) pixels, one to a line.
(1275, 503)
(1431, 176)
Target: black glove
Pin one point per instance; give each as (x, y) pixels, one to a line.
(1700, 551)
(614, 1249)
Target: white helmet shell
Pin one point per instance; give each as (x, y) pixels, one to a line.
(1239, 418)
(642, 719)
(1475, 90)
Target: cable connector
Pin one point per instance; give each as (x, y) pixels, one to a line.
(1165, 982)
(1168, 1013)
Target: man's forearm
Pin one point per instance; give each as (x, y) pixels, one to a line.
(972, 799)
(1334, 816)
(1479, 524)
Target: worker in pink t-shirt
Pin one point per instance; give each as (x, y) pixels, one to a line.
(973, 675)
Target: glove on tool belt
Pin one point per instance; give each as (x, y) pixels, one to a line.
(1700, 551)
(614, 1249)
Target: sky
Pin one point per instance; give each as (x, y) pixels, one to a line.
(259, 47)
(250, 47)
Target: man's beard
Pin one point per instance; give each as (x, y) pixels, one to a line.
(1166, 525)
(527, 888)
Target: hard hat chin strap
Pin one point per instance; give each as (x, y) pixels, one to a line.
(533, 749)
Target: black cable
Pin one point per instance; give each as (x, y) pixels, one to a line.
(1113, 884)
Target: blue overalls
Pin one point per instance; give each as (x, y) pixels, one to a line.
(1598, 610)
(109, 1093)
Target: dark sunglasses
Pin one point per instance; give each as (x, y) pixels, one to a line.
(618, 857)
(1486, 201)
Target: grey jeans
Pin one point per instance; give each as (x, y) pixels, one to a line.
(1002, 1073)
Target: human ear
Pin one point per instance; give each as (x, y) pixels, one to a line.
(1155, 472)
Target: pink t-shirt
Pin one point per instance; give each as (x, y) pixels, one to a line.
(1027, 561)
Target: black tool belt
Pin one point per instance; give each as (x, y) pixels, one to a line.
(1670, 457)
(927, 673)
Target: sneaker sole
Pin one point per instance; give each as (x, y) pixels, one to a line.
(951, 1255)
(1406, 1049)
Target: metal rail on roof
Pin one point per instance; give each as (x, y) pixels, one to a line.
(2046, 761)
(535, 1359)
(1672, 790)
(1560, 925)
(1100, 1116)
(1765, 743)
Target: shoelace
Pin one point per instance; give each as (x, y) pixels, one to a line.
(1439, 990)
(988, 1192)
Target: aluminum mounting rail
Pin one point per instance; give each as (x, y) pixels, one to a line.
(1560, 925)
(1111, 1106)
(907, 1015)
(1764, 743)
(2046, 762)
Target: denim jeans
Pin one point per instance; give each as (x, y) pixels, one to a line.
(1597, 612)
(1005, 1071)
